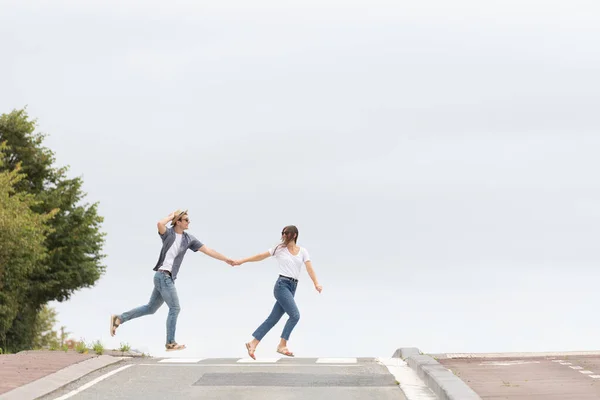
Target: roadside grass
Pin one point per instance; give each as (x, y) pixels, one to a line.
(124, 347)
(81, 347)
(98, 347)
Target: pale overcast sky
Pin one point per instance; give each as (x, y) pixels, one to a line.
(439, 158)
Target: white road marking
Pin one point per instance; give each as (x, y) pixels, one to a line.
(336, 361)
(258, 360)
(503, 363)
(559, 361)
(586, 372)
(594, 376)
(181, 360)
(410, 383)
(92, 383)
(576, 367)
(254, 364)
(566, 363)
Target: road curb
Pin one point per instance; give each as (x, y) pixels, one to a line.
(58, 379)
(438, 378)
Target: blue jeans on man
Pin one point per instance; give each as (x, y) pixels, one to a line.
(164, 292)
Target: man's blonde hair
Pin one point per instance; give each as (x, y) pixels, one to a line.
(178, 215)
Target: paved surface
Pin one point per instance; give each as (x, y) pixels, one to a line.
(19, 369)
(492, 376)
(529, 376)
(288, 378)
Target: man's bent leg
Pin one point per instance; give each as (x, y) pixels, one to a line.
(156, 300)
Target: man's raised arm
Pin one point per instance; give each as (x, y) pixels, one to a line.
(162, 224)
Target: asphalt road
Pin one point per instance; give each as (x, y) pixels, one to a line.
(281, 379)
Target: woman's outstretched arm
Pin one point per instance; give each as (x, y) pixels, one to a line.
(258, 257)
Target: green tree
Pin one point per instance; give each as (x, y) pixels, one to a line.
(74, 243)
(22, 251)
(44, 333)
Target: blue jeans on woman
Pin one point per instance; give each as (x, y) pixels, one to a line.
(284, 292)
(164, 292)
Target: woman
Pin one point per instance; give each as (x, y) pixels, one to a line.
(290, 258)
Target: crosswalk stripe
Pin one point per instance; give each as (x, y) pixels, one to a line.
(181, 360)
(248, 360)
(408, 380)
(251, 365)
(258, 360)
(348, 360)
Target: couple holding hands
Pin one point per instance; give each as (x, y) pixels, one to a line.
(175, 243)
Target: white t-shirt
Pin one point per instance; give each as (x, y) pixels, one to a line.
(172, 253)
(289, 264)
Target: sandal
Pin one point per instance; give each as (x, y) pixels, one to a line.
(113, 325)
(174, 346)
(285, 351)
(250, 351)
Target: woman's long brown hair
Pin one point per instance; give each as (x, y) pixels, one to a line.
(294, 236)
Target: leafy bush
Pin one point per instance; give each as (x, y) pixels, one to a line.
(98, 347)
(81, 347)
(124, 347)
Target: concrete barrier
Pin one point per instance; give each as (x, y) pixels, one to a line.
(439, 379)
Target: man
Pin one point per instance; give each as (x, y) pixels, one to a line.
(175, 244)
